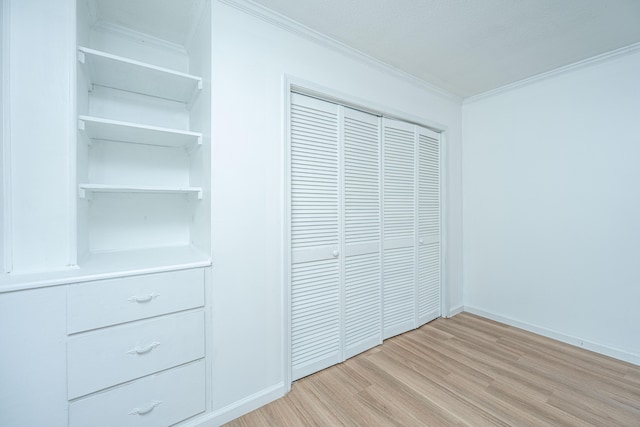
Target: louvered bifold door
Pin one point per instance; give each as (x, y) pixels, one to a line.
(399, 227)
(429, 267)
(362, 232)
(315, 273)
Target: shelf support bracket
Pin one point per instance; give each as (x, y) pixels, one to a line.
(83, 193)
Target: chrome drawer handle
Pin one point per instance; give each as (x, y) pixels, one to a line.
(147, 298)
(145, 349)
(144, 411)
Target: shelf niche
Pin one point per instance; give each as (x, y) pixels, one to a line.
(143, 166)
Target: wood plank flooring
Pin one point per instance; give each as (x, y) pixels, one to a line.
(466, 371)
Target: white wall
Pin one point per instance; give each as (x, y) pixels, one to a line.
(250, 57)
(552, 206)
(41, 57)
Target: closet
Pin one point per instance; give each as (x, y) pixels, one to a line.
(365, 231)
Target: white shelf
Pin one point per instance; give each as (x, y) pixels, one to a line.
(127, 74)
(86, 190)
(147, 260)
(109, 265)
(115, 130)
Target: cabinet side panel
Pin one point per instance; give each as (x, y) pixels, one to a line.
(200, 121)
(83, 87)
(3, 171)
(33, 358)
(41, 107)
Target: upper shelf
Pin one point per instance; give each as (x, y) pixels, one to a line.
(127, 74)
(116, 130)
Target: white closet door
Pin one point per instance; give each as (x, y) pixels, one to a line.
(429, 266)
(399, 225)
(315, 272)
(362, 232)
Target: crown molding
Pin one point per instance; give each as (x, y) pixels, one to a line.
(623, 51)
(288, 24)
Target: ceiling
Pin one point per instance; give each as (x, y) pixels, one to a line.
(472, 46)
(465, 46)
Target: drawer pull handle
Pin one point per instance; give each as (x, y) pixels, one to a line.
(141, 300)
(144, 411)
(145, 349)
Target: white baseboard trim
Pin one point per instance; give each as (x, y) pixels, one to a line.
(558, 336)
(239, 408)
(455, 310)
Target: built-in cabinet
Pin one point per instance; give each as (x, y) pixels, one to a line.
(116, 330)
(365, 230)
(125, 351)
(135, 356)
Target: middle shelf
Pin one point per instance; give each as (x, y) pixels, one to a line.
(116, 130)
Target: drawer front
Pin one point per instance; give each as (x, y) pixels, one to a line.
(108, 302)
(100, 359)
(158, 400)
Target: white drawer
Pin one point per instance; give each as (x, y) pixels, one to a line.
(108, 302)
(158, 400)
(100, 359)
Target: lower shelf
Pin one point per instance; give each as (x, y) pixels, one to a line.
(109, 265)
(146, 260)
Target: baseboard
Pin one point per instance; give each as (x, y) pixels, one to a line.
(558, 336)
(453, 311)
(239, 408)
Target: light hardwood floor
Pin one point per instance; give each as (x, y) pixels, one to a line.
(466, 370)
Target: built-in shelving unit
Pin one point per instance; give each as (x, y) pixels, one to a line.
(112, 273)
(136, 76)
(143, 143)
